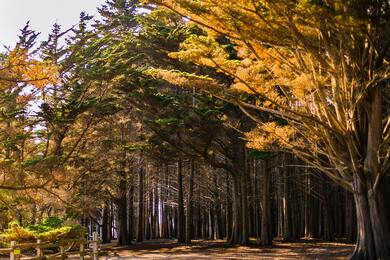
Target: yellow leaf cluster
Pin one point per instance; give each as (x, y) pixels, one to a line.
(270, 136)
(183, 80)
(19, 67)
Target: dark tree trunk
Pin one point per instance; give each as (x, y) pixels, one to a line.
(180, 202)
(105, 224)
(210, 223)
(350, 217)
(244, 209)
(188, 235)
(285, 200)
(373, 234)
(156, 212)
(149, 215)
(122, 213)
(265, 237)
(111, 221)
(140, 228)
(228, 203)
(373, 225)
(217, 210)
(236, 220)
(165, 208)
(307, 205)
(130, 213)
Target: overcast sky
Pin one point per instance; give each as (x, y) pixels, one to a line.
(42, 14)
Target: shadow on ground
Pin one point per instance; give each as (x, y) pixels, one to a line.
(200, 249)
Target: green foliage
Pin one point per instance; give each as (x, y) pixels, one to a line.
(168, 121)
(53, 222)
(135, 147)
(31, 162)
(261, 155)
(164, 99)
(65, 232)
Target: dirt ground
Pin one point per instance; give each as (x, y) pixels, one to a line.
(168, 249)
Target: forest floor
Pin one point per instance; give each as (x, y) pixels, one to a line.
(201, 249)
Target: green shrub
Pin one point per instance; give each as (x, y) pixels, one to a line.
(65, 232)
(53, 222)
(51, 229)
(47, 225)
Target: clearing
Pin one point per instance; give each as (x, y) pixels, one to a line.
(201, 249)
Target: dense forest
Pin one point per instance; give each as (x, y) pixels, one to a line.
(245, 121)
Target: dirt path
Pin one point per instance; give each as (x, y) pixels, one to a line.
(165, 249)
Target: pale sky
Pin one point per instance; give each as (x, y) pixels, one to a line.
(42, 14)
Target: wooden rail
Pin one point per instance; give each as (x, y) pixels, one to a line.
(65, 249)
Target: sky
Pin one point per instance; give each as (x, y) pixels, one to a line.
(42, 14)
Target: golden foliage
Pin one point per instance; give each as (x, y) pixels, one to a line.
(19, 67)
(270, 136)
(184, 80)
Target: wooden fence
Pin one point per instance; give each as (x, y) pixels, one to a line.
(66, 248)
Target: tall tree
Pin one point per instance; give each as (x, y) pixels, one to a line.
(323, 67)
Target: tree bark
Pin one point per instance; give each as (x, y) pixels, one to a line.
(130, 212)
(180, 210)
(122, 213)
(265, 237)
(188, 235)
(350, 217)
(285, 200)
(105, 225)
(140, 228)
(236, 220)
(228, 203)
(373, 234)
(244, 209)
(373, 224)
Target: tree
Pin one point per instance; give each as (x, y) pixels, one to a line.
(22, 75)
(323, 67)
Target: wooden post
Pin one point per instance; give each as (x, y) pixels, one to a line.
(12, 255)
(95, 249)
(15, 252)
(39, 249)
(62, 251)
(82, 250)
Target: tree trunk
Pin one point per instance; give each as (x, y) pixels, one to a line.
(373, 226)
(350, 217)
(228, 203)
(307, 205)
(140, 235)
(285, 200)
(189, 204)
(217, 210)
(244, 209)
(164, 204)
(327, 223)
(373, 234)
(156, 226)
(122, 213)
(180, 203)
(130, 212)
(236, 220)
(266, 237)
(105, 225)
